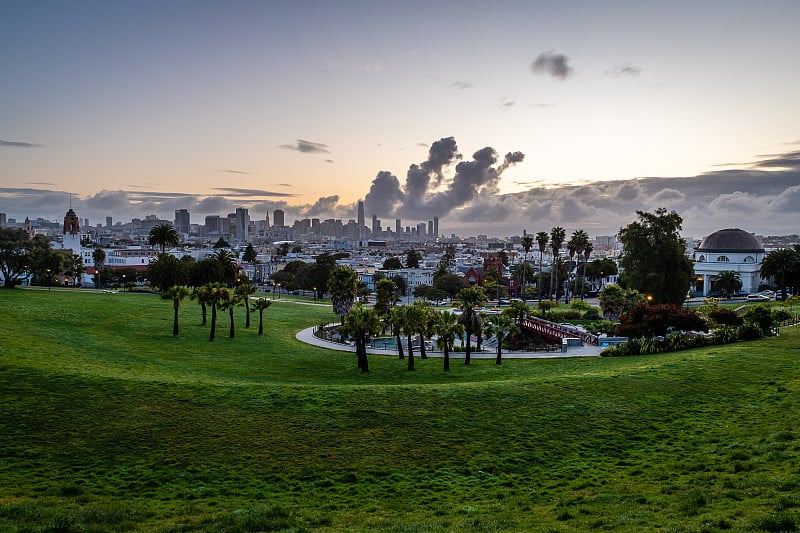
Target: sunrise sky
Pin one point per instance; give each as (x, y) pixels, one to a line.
(146, 107)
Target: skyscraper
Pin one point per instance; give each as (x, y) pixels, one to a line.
(376, 226)
(182, 221)
(430, 228)
(242, 224)
(435, 227)
(361, 219)
(277, 218)
(397, 227)
(109, 222)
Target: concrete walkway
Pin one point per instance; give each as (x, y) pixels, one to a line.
(307, 336)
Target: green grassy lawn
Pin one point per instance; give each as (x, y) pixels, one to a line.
(110, 424)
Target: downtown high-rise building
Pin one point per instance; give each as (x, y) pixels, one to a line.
(109, 222)
(435, 227)
(182, 221)
(361, 219)
(398, 227)
(242, 224)
(376, 226)
(277, 218)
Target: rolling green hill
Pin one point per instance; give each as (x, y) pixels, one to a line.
(110, 424)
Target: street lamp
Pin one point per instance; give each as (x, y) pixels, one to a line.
(649, 298)
(315, 294)
(48, 278)
(123, 283)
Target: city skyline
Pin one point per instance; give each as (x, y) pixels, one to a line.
(146, 108)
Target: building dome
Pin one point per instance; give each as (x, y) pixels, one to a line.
(731, 240)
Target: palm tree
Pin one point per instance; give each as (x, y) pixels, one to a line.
(557, 235)
(517, 310)
(501, 326)
(542, 239)
(447, 327)
(243, 291)
(470, 298)
(396, 321)
(176, 293)
(342, 286)
(423, 320)
(527, 244)
(261, 304)
(361, 324)
(228, 268)
(228, 302)
(579, 241)
(521, 272)
(779, 265)
(411, 322)
(163, 235)
(165, 271)
(215, 294)
(99, 257)
(587, 252)
(728, 282)
(201, 295)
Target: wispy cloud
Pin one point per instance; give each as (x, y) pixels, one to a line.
(626, 70)
(462, 85)
(307, 147)
(250, 193)
(233, 171)
(18, 144)
(507, 103)
(553, 64)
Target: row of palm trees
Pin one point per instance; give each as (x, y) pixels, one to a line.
(420, 318)
(578, 245)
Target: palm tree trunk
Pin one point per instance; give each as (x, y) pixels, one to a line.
(446, 357)
(230, 312)
(175, 321)
(213, 322)
(400, 353)
(499, 350)
(410, 347)
(260, 321)
(422, 353)
(468, 350)
(410, 356)
(364, 361)
(203, 307)
(247, 309)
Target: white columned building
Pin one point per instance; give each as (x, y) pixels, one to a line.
(728, 249)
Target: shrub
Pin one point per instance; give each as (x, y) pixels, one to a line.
(781, 314)
(725, 317)
(650, 320)
(749, 331)
(580, 305)
(761, 317)
(725, 335)
(592, 313)
(600, 326)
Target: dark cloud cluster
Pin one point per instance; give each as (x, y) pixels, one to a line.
(307, 147)
(18, 144)
(553, 64)
(428, 192)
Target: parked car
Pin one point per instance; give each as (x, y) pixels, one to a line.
(757, 298)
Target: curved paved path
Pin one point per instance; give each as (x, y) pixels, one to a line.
(307, 336)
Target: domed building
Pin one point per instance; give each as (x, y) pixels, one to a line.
(728, 249)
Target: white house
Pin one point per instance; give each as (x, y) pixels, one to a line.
(728, 249)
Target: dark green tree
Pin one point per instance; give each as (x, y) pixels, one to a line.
(342, 286)
(413, 258)
(781, 265)
(385, 297)
(261, 304)
(392, 263)
(176, 293)
(727, 282)
(654, 260)
(361, 324)
(542, 238)
(99, 258)
(163, 235)
(14, 244)
(250, 254)
(166, 271)
(470, 299)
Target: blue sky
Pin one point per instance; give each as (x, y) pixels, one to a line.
(146, 107)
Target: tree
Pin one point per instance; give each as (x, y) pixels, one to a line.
(361, 324)
(424, 319)
(400, 282)
(163, 235)
(413, 258)
(614, 301)
(228, 269)
(728, 282)
(397, 321)
(654, 260)
(587, 252)
(517, 310)
(75, 268)
(392, 263)
(644, 320)
(557, 236)
(206, 271)
(250, 254)
(600, 268)
(385, 297)
(14, 244)
(201, 294)
(176, 293)
(261, 304)
(244, 290)
(99, 258)
(469, 299)
(522, 272)
(215, 295)
(342, 286)
(166, 271)
(447, 327)
(578, 242)
(542, 239)
(448, 259)
(221, 243)
(412, 322)
(448, 282)
(228, 302)
(501, 326)
(780, 265)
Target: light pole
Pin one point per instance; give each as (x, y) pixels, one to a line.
(315, 294)
(48, 278)
(123, 283)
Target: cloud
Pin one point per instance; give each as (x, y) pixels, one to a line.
(307, 147)
(233, 171)
(329, 160)
(250, 193)
(462, 85)
(556, 65)
(542, 106)
(323, 205)
(507, 103)
(18, 144)
(626, 70)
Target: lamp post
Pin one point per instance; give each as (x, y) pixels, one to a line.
(123, 283)
(48, 278)
(315, 294)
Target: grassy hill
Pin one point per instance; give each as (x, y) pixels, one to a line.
(110, 424)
